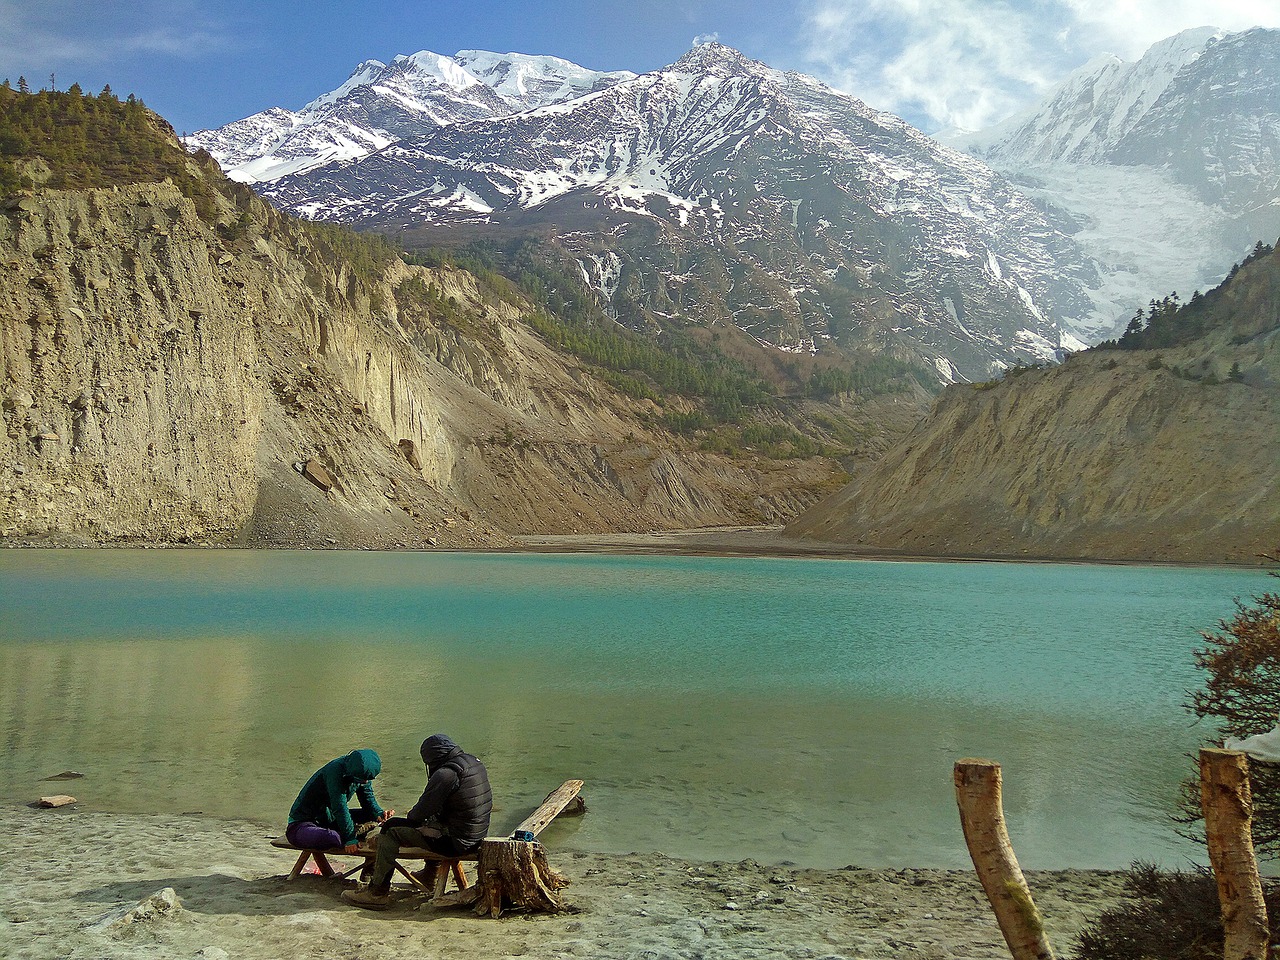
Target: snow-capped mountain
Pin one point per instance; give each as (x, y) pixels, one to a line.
(718, 189)
(1092, 110)
(1169, 167)
(382, 103)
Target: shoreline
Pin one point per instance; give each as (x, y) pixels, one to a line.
(83, 872)
(765, 542)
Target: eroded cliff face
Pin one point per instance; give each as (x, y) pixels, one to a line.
(169, 378)
(1113, 455)
(131, 398)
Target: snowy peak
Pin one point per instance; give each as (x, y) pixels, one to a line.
(435, 67)
(1165, 170)
(529, 82)
(716, 60)
(1093, 109)
(360, 76)
(380, 104)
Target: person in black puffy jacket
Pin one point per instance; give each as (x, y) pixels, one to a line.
(451, 817)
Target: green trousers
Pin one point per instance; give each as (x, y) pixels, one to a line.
(390, 840)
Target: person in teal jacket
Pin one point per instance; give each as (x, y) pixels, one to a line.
(321, 817)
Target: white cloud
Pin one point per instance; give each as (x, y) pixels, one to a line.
(60, 31)
(971, 63)
(702, 38)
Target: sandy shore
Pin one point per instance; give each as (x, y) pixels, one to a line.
(73, 881)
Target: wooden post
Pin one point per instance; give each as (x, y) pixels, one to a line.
(982, 818)
(1226, 799)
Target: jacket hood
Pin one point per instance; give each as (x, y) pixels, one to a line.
(362, 765)
(438, 748)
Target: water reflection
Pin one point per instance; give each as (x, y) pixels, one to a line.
(783, 711)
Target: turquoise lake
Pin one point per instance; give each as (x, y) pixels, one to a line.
(807, 711)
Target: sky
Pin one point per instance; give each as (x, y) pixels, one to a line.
(937, 63)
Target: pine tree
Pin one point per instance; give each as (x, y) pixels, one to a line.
(23, 87)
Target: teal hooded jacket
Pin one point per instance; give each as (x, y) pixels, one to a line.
(323, 801)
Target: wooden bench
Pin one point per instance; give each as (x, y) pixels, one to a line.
(449, 866)
(564, 799)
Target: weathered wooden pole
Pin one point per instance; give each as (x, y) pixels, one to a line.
(982, 818)
(1227, 802)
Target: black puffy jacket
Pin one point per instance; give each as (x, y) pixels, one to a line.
(457, 796)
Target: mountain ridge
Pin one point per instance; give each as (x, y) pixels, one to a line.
(1168, 167)
(877, 234)
(183, 363)
(1151, 454)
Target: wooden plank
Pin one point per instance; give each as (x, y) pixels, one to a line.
(556, 801)
(406, 853)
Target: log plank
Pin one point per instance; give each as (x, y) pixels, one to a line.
(556, 801)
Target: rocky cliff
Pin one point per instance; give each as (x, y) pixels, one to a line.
(209, 370)
(1165, 455)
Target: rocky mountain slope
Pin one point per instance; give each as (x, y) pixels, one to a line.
(1169, 166)
(718, 190)
(1162, 454)
(179, 362)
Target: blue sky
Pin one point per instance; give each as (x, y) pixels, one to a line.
(938, 63)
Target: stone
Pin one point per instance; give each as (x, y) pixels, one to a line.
(314, 471)
(409, 450)
(161, 905)
(56, 800)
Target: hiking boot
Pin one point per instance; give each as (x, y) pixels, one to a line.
(368, 898)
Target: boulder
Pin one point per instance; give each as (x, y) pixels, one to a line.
(410, 451)
(314, 471)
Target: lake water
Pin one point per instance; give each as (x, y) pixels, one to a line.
(783, 710)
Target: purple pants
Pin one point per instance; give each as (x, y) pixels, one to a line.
(312, 836)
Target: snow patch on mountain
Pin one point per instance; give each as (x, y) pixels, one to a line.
(380, 104)
(1091, 111)
(1150, 235)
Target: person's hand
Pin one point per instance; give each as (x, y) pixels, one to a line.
(350, 848)
(386, 815)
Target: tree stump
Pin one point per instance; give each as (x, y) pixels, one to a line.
(513, 874)
(982, 818)
(1226, 799)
